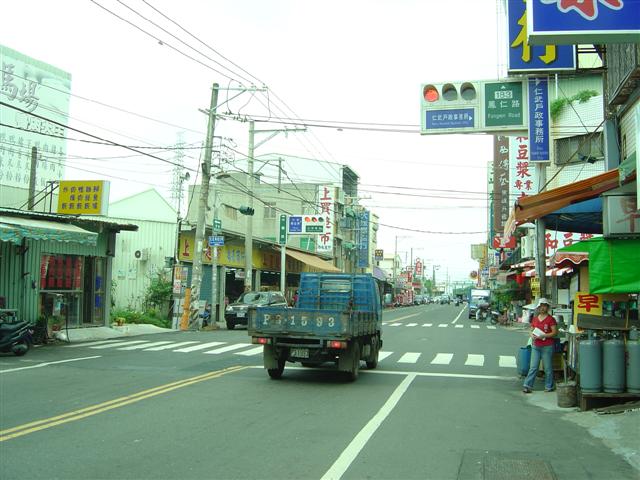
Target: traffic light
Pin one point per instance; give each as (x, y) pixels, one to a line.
(246, 210)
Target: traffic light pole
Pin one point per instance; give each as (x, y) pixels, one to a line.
(196, 272)
(248, 237)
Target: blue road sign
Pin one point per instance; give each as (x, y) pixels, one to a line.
(524, 57)
(453, 118)
(216, 241)
(539, 120)
(295, 224)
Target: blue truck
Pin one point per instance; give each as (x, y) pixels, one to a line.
(337, 318)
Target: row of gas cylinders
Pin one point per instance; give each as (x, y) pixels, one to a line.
(610, 364)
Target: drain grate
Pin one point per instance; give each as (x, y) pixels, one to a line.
(487, 465)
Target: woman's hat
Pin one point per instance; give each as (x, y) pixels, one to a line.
(545, 301)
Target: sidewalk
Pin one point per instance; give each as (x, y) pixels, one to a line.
(88, 334)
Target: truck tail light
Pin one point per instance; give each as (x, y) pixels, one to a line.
(261, 340)
(336, 344)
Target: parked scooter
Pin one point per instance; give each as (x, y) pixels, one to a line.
(16, 337)
(494, 317)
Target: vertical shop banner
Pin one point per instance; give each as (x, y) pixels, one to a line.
(362, 231)
(539, 120)
(523, 175)
(326, 197)
(501, 203)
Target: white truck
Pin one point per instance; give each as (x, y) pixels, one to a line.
(476, 297)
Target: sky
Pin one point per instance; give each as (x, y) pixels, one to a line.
(353, 69)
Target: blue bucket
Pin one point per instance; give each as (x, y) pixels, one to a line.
(523, 360)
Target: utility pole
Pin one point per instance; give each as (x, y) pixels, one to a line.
(248, 237)
(541, 253)
(32, 178)
(395, 278)
(196, 272)
(213, 313)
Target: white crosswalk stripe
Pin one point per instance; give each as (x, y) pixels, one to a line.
(443, 325)
(228, 348)
(411, 324)
(90, 344)
(427, 324)
(169, 346)
(201, 346)
(394, 324)
(409, 357)
(508, 361)
(475, 360)
(491, 327)
(382, 355)
(459, 326)
(475, 326)
(119, 344)
(144, 345)
(442, 359)
(251, 351)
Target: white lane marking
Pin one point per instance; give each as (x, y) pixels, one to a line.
(46, 364)
(201, 346)
(475, 326)
(89, 344)
(394, 324)
(409, 357)
(405, 317)
(459, 326)
(427, 324)
(228, 348)
(508, 361)
(251, 351)
(461, 312)
(350, 453)
(475, 360)
(119, 344)
(167, 347)
(139, 347)
(491, 327)
(443, 325)
(382, 355)
(411, 324)
(442, 359)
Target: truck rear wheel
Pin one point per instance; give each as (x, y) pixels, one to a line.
(373, 359)
(276, 373)
(355, 368)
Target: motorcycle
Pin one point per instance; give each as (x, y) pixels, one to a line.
(482, 312)
(15, 337)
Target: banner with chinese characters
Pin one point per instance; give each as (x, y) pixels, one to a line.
(326, 198)
(522, 173)
(362, 234)
(34, 87)
(83, 197)
(501, 201)
(554, 240)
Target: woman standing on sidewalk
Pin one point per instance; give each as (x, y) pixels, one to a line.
(544, 329)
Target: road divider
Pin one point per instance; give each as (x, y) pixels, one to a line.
(43, 424)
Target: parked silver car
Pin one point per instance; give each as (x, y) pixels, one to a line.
(237, 313)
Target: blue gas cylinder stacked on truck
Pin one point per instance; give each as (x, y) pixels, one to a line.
(590, 363)
(613, 374)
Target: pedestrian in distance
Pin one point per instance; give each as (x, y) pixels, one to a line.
(543, 331)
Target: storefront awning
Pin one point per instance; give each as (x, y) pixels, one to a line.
(14, 229)
(613, 264)
(313, 261)
(576, 258)
(533, 207)
(551, 272)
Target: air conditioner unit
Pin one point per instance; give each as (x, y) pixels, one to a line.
(142, 255)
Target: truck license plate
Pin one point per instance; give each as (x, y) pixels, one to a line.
(300, 352)
(240, 314)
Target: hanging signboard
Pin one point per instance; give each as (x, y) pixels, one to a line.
(326, 196)
(83, 197)
(539, 120)
(306, 224)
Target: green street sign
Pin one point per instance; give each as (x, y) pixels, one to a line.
(282, 237)
(217, 225)
(314, 228)
(503, 104)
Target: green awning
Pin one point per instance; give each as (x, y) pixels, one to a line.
(614, 265)
(14, 229)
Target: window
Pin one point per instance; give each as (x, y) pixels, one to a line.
(586, 146)
(269, 209)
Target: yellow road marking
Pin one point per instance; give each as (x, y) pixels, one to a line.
(38, 425)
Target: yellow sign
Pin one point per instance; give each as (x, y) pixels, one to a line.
(83, 197)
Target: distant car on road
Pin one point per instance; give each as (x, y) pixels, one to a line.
(445, 299)
(237, 312)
